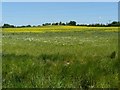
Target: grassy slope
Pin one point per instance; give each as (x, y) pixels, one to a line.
(60, 59)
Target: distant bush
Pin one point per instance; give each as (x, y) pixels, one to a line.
(8, 26)
(71, 23)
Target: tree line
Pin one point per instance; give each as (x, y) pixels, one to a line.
(71, 23)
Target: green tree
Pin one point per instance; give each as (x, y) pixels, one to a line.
(72, 23)
(8, 26)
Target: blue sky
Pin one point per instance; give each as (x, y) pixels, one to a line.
(36, 13)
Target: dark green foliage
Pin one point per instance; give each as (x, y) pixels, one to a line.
(114, 23)
(28, 26)
(8, 26)
(55, 23)
(113, 54)
(46, 24)
(71, 23)
(61, 23)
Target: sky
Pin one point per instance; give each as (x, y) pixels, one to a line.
(60, 0)
(37, 13)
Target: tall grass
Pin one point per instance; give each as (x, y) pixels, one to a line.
(60, 60)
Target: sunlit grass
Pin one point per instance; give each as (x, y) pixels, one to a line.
(69, 58)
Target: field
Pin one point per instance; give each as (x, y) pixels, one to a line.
(60, 57)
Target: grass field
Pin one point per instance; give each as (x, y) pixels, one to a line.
(60, 57)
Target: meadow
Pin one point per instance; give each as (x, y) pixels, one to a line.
(60, 57)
